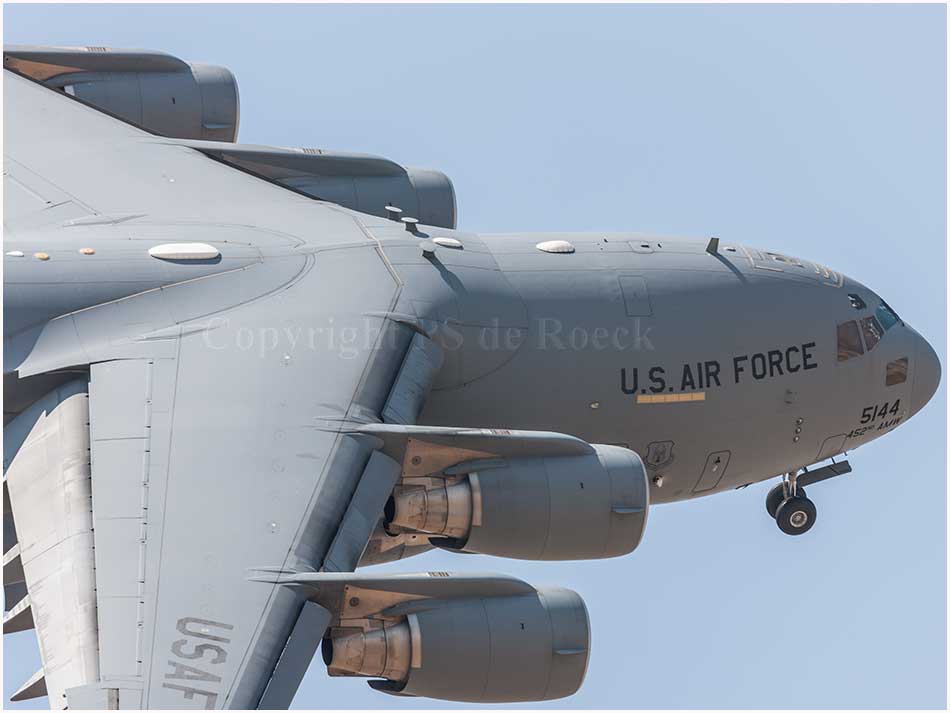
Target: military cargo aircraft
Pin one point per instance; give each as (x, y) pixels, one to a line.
(234, 374)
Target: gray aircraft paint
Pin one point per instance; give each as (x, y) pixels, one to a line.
(235, 388)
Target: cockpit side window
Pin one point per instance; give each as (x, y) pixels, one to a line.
(872, 331)
(849, 341)
(886, 316)
(896, 372)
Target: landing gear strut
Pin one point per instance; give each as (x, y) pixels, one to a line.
(786, 502)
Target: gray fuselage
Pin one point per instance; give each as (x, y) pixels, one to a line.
(718, 369)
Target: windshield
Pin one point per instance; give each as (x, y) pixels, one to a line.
(886, 316)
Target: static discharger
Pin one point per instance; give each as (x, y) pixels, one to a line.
(670, 398)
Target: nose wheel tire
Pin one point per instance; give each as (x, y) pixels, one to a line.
(776, 496)
(796, 515)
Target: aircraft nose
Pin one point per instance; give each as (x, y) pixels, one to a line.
(926, 375)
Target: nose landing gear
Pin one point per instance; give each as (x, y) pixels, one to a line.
(787, 503)
(795, 516)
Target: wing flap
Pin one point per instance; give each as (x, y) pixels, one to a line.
(49, 489)
(19, 617)
(12, 566)
(34, 687)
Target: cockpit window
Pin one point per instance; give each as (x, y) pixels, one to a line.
(872, 331)
(856, 301)
(849, 341)
(886, 316)
(896, 372)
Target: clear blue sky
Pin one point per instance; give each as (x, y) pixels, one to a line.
(817, 131)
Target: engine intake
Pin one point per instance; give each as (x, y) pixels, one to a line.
(552, 508)
(531, 647)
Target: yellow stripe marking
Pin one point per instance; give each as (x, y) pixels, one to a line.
(671, 398)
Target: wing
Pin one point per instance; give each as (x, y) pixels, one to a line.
(65, 160)
(221, 413)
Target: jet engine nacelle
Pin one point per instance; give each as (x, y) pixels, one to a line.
(153, 90)
(201, 103)
(542, 508)
(369, 184)
(531, 647)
